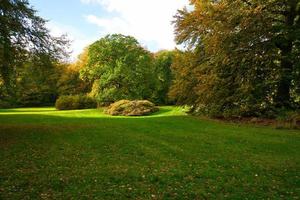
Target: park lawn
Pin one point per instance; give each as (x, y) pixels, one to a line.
(49, 154)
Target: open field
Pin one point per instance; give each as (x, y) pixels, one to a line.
(85, 154)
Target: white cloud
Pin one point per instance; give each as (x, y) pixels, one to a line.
(147, 20)
(78, 40)
(114, 24)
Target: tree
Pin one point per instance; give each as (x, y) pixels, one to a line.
(184, 78)
(23, 33)
(246, 50)
(162, 64)
(40, 80)
(70, 82)
(119, 69)
(286, 28)
(36, 82)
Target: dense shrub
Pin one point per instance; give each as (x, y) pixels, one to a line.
(37, 97)
(75, 102)
(131, 108)
(5, 104)
(288, 119)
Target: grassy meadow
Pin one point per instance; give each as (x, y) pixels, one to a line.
(85, 154)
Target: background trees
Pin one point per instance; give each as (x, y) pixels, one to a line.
(163, 75)
(120, 68)
(70, 82)
(245, 50)
(36, 83)
(23, 36)
(184, 78)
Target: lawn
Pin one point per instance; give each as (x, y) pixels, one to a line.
(49, 154)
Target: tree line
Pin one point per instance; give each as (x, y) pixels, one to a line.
(241, 59)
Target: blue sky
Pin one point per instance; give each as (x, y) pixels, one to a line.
(85, 21)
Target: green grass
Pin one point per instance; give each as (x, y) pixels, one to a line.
(48, 154)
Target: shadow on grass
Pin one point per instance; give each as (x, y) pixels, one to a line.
(161, 111)
(165, 119)
(28, 110)
(53, 112)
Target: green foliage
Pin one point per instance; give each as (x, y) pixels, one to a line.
(162, 72)
(5, 100)
(5, 104)
(23, 34)
(131, 108)
(40, 79)
(244, 61)
(119, 69)
(184, 71)
(70, 82)
(36, 83)
(75, 102)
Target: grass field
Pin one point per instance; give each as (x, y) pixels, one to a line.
(48, 154)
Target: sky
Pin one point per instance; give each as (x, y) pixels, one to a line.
(85, 21)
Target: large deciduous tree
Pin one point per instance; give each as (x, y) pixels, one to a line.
(120, 69)
(23, 34)
(247, 54)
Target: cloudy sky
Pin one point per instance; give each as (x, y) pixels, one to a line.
(85, 21)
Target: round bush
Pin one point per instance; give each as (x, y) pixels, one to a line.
(75, 102)
(131, 108)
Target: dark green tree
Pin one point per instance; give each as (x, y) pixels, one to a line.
(162, 71)
(286, 36)
(36, 82)
(23, 34)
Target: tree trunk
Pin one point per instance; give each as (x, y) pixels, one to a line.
(283, 96)
(6, 67)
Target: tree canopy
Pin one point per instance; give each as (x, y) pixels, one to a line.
(246, 55)
(119, 68)
(163, 61)
(23, 34)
